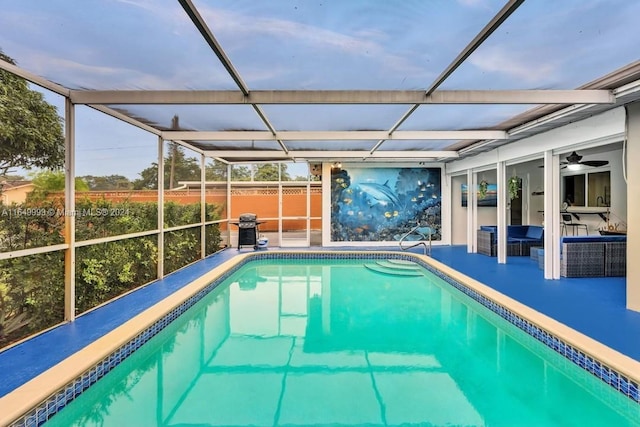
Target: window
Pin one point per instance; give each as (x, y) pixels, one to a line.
(589, 189)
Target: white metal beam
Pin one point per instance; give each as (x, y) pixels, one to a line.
(203, 207)
(501, 171)
(331, 135)
(552, 231)
(389, 155)
(34, 251)
(69, 206)
(472, 211)
(160, 207)
(534, 96)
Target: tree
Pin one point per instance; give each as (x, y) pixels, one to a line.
(31, 132)
(148, 178)
(269, 172)
(46, 182)
(259, 172)
(217, 171)
(177, 167)
(109, 182)
(180, 167)
(240, 173)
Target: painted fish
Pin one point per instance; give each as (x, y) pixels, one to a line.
(379, 194)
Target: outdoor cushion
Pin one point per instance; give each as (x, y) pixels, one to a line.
(593, 238)
(535, 232)
(517, 231)
(525, 233)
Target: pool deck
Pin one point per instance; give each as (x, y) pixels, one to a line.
(592, 306)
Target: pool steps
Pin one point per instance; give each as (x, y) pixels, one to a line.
(395, 268)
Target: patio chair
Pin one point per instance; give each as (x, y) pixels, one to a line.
(567, 223)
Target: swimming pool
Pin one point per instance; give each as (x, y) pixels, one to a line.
(377, 338)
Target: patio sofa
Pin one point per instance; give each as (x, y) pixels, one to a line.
(593, 256)
(520, 239)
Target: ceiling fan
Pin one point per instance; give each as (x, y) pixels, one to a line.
(574, 159)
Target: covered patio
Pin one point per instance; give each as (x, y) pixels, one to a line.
(341, 125)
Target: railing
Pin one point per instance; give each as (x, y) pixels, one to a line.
(424, 232)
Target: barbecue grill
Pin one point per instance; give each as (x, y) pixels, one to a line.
(247, 230)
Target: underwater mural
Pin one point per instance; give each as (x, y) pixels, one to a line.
(382, 204)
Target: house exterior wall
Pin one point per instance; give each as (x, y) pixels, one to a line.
(16, 194)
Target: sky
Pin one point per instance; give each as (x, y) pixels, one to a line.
(293, 44)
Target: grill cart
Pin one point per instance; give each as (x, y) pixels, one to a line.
(247, 230)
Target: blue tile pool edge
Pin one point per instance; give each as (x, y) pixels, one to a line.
(62, 397)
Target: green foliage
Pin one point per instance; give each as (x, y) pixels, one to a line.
(176, 214)
(103, 218)
(514, 186)
(31, 133)
(269, 172)
(187, 169)
(32, 287)
(110, 269)
(261, 172)
(109, 182)
(240, 173)
(46, 182)
(31, 294)
(216, 171)
(30, 225)
(482, 189)
(177, 167)
(181, 248)
(148, 179)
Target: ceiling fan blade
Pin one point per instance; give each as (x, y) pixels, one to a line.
(595, 163)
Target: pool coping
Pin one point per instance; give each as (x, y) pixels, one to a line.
(38, 399)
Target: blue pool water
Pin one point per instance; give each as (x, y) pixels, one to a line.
(331, 342)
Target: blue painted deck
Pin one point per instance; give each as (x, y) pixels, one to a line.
(595, 307)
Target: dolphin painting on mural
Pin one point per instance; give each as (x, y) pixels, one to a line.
(380, 194)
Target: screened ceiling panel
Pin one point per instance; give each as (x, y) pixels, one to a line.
(548, 44)
(334, 117)
(195, 117)
(337, 44)
(461, 116)
(97, 44)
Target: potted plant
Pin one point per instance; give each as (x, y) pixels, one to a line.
(514, 185)
(482, 189)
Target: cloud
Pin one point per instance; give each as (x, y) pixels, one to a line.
(475, 3)
(529, 69)
(81, 75)
(316, 38)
